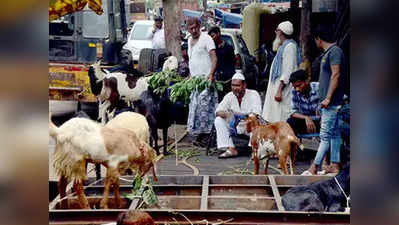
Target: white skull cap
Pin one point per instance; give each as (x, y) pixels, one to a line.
(286, 27)
(238, 76)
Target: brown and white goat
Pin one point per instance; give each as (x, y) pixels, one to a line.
(81, 140)
(270, 139)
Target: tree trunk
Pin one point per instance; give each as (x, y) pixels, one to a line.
(305, 31)
(172, 14)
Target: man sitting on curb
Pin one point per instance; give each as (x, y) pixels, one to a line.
(304, 118)
(240, 101)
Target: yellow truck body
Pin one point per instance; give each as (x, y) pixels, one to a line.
(70, 82)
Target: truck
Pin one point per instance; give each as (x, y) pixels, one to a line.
(77, 39)
(202, 199)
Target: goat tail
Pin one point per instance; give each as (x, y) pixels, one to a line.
(295, 143)
(53, 129)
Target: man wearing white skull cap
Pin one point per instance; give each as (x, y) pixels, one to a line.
(277, 105)
(239, 101)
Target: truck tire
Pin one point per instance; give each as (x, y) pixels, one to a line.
(146, 61)
(159, 57)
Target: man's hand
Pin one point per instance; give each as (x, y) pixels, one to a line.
(325, 103)
(278, 96)
(311, 127)
(211, 78)
(222, 114)
(154, 28)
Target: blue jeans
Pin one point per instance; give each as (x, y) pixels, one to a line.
(329, 135)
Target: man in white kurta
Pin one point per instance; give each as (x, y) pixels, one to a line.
(239, 101)
(277, 106)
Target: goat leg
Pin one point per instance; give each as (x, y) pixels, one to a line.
(154, 135)
(266, 166)
(118, 202)
(165, 140)
(153, 172)
(293, 152)
(256, 161)
(283, 163)
(62, 183)
(83, 203)
(107, 184)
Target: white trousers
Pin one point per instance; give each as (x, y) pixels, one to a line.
(223, 138)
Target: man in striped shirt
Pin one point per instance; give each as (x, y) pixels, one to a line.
(304, 116)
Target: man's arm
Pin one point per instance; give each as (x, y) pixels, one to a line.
(311, 127)
(214, 60)
(278, 97)
(336, 72)
(223, 106)
(289, 65)
(222, 114)
(151, 32)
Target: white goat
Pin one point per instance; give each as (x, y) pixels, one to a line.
(170, 63)
(81, 140)
(134, 122)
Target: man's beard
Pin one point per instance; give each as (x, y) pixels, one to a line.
(276, 43)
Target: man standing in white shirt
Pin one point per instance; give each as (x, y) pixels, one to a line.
(277, 105)
(201, 51)
(202, 61)
(239, 101)
(157, 34)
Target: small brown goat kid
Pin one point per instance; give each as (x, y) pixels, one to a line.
(81, 140)
(272, 138)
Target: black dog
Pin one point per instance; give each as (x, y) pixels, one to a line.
(320, 196)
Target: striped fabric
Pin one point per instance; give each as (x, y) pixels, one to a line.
(306, 106)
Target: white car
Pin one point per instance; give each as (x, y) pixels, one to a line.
(138, 38)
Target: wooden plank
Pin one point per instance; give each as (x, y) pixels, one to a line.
(276, 193)
(205, 192)
(240, 197)
(239, 185)
(240, 217)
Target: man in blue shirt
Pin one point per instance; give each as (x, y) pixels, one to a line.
(305, 100)
(331, 91)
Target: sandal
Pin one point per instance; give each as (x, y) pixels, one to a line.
(306, 173)
(227, 154)
(332, 169)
